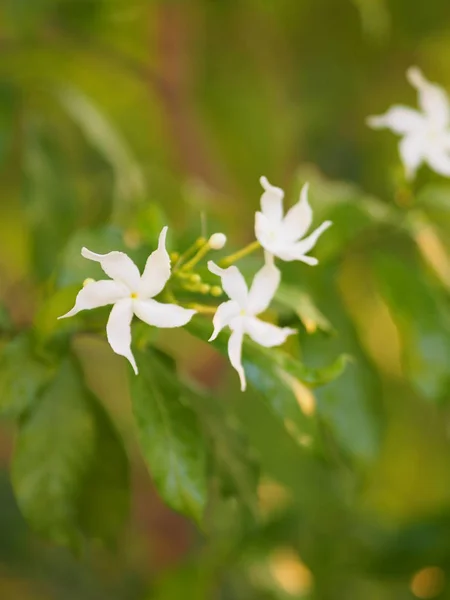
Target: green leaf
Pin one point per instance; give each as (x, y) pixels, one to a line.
(53, 454)
(347, 405)
(422, 323)
(73, 268)
(22, 376)
(353, 213)
(301, 303)
(170, 436)
(105, 138)
(48, 194)
(231, 455)
(105, 499)
(273, 374)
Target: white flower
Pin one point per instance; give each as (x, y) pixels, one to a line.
(131, 295)
(239, 313)
(426, 133)
(282, 235)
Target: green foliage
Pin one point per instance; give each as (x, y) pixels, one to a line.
(170, 436)
(328, 479)
(22, 376)
(64, 481)
(422, 323)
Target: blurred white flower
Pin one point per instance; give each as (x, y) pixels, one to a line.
(282, 235)
(131, 295)
(426, 133)
(239, 313)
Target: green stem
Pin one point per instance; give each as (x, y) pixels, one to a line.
(232, 258)
(195, 259)
(192, 249)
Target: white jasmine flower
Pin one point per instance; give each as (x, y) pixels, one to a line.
(282, 235)
(131, 294)
(240, 312)
(426, 133)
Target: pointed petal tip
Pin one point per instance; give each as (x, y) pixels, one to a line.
(213, 268)
(415, 76)
(264, 182)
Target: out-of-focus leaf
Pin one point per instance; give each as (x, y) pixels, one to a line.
(107, 140)
(73, 268)
(8, 106)
(352, 212)
(233, 461)
(170, 436)
(22, 376)
(347, 405)
(269, 371)
(104, 501)
(375, 18)
(422, 323)
(302, 304)
(53, 454)
(48, 196)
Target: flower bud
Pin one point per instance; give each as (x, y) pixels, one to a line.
(216, 291)
(195, 278)
(217, 241)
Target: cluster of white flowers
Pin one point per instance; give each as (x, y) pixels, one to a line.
(426, 139)
(131, 293)
(426, 133)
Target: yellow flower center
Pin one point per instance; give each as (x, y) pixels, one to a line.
(133, 295)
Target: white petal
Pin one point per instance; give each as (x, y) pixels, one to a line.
(162, 315)
(271, 201)
(266, 231)
(233, 283)
(299, 249)
(118, 266)
(263, 289)
(298, 219)
(399, 119)
(411, 150)
(157, 270)
(96, 294)
(235, 352)
(118, 330)
(225, 313)
(439, 161)
(433, 100)
(266, 334)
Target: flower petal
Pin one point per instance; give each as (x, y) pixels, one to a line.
(263, 289)
(118, 266)
(266, 334)
(433, 99)
(118, 330)
(162, 315)
(400, 119)
(298, 250)
(411, 150)
(439, 161)
(271, 201)
(96, 294)
(266, 231)
(233, 283)
(298, 219)
(223, 316)
(157, 269)
(235, 352)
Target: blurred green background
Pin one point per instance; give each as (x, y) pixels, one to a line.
(118, 116)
